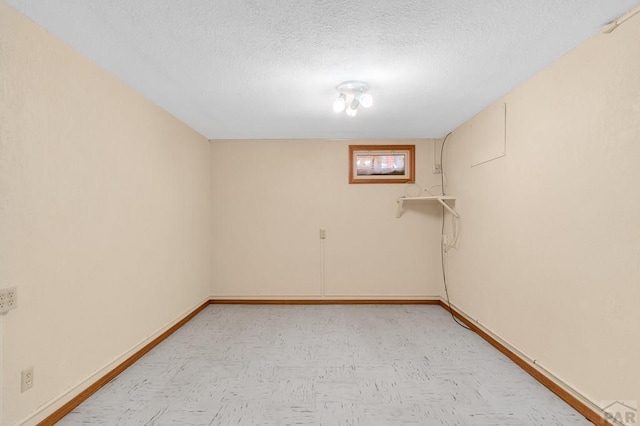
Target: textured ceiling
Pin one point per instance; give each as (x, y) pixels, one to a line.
(261, 69)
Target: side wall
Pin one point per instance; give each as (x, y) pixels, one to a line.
(274, 196)
(549, 254)
(105, 208)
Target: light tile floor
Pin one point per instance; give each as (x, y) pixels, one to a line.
(324, 365)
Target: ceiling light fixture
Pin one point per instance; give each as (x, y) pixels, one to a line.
(357, 91)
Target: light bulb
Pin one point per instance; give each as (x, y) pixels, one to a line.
(353, 108)
(366, 100)
(340, 103)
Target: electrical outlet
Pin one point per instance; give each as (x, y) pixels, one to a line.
(8, 299)
(26, 381)
(323, 234)
(436, 167)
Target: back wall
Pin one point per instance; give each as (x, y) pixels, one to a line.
(274, 196)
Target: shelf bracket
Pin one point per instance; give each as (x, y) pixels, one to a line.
(441, 200)
(446, 206)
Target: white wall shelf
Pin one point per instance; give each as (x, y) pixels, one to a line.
(442, 199)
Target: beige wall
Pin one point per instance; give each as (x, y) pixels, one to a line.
(272, 199)
(549, 253)
(111, 209)
(105, 208)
